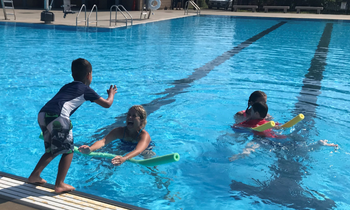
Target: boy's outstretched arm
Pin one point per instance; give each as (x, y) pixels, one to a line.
(106, 103)
(114, 134)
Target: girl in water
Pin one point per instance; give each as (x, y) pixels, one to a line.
(135, 139)
(256, 96)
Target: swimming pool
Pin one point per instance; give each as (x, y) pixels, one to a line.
(191, 74)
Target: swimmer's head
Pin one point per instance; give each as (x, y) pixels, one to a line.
(82, 71)
(257, 96)
(259, 110)
(141, 112)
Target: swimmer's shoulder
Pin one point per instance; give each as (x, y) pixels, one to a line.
(144, 134)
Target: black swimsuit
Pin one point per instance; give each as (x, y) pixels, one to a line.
(130, 146)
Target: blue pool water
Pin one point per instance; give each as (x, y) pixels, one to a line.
(191, 74)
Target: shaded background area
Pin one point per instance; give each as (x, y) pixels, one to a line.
(329, 6)
(130, 5)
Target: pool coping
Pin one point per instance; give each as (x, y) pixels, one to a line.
(77, 193)
(29, 16)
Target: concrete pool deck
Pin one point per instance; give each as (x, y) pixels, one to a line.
(33, 16)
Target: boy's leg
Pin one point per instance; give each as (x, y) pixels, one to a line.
(63, 167)
(250, 147)
(43, 162)
(62, 143)
(47, 157)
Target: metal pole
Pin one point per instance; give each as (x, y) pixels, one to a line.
(46, 5)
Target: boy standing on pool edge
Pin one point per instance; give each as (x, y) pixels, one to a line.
(55, 124)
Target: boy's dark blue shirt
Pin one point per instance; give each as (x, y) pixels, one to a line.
(70, 97)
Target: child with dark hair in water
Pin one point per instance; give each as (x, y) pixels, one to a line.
(258, 112)
(257, 117)
(55, 124)
(256, 96)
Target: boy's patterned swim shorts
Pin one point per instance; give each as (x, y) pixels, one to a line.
(57, 133)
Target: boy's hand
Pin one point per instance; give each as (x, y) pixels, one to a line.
(84, 149)
(106, 103)
(112, 90)
(118, 160)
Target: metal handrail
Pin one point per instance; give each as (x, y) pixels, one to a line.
(4, 7)
(198, 10)
(126, 12)
(90, 15)
(50, 7)
(76, 19)
(110, 15)
(116, 16)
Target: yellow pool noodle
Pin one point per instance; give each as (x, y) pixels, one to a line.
(265, 126)
(293, 121)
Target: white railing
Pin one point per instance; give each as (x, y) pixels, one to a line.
(117, 8)
(88, 20)
(77, 18)
(194, 5)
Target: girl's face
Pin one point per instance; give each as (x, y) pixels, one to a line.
(133, 120)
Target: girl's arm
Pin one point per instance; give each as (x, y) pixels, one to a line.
(116, 133)
(145, 140)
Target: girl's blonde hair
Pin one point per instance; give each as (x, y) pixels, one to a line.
(142, 113)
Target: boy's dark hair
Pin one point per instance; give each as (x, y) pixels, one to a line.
(80, 68)
(261, 108)
(255, 95)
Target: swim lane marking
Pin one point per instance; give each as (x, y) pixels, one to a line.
(312, 82)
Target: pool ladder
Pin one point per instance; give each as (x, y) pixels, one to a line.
(8, 4)
(194, 5)
(145, 12)
(124, 12)
(86, 20)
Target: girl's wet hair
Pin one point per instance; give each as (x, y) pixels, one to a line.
(141, 112)
(256, 95)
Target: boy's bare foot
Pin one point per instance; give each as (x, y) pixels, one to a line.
(64, 188)
(36, 180)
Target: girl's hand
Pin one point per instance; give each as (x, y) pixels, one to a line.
(118, 160)
(84, 149)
